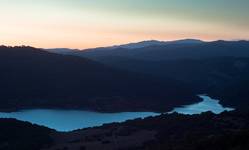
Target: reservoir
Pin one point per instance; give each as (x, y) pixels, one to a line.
(207, 104)
(68, 120)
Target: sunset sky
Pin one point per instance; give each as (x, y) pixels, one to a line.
(93, 23)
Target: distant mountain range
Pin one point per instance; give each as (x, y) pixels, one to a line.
(61, 50)
(150, 43)
(137, 45)
(209, 67)
(159, 50)
(172, 51)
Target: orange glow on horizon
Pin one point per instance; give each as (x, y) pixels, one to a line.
(97, 23)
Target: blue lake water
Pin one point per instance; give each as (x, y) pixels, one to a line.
(207, 104)
(66, 120)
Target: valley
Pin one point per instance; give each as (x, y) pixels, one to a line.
(76, 100)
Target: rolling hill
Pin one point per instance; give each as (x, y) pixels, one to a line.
(219, 68)
(32, 78)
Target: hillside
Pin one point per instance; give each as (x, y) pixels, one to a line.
(42, 79)
(218, 68)
(17, 135)
(207, 131)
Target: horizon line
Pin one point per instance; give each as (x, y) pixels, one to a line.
(131, 42)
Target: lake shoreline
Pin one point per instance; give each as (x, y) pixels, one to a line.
(78, 119)
(109, 105)
(77, 109)
(100, 110)
(104, 110)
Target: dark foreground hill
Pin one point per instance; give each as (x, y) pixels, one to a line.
(32, 78)
(17, 135)
(227, 131)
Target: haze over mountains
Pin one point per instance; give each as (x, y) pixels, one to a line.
(149, 43)
(162, 50)
(137, 45)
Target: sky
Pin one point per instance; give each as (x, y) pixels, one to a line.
(94, 23)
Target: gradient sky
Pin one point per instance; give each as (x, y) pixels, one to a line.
(94, 23)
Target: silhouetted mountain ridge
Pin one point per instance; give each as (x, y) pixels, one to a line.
(174, 51)
(34, 78)
(130, 46)
(150, 43)
(18, 135)
(61, 50)
(208, 67)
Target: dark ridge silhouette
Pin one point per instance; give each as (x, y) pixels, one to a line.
(116, 48)
(34, 78)
(65, 51)
(17, 135)
(173, 51)
(149, 43)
